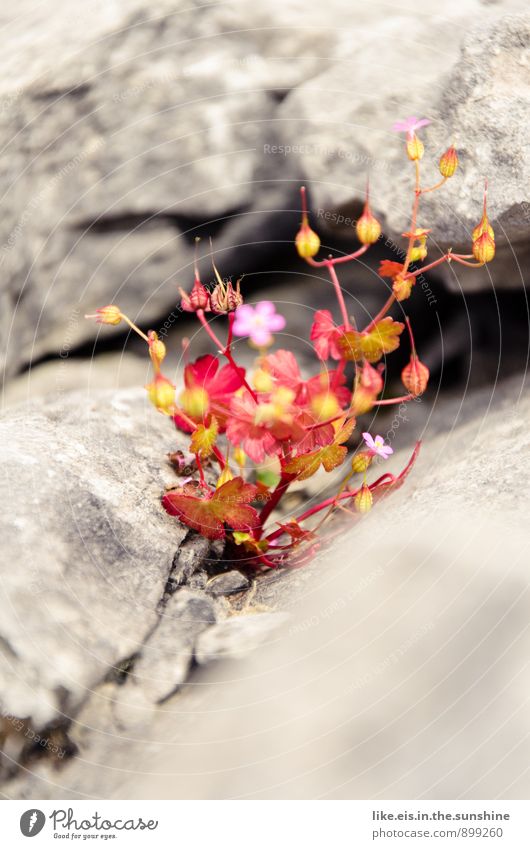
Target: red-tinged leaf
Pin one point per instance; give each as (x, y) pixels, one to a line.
(296, 532)
(209, 513)
(305, 466)
(371, 345)
(388, 268)
(330, 456)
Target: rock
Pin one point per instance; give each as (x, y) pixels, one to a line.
(166, 655)
(52, 379)
(475, 88)
(237, 636)
(399, 673)
(88, 548)
(123, 130)
(228, 583)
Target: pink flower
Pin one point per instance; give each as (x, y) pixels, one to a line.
(258, 323)
(377, 446)
(410, 125)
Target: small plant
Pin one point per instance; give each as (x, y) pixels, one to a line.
(267, 430)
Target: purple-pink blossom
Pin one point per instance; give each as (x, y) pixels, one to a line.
(410, 125)
(258, 323)
(378, 446)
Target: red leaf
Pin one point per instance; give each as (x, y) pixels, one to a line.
(208, 514)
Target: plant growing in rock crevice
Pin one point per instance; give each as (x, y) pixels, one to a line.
(269, 429)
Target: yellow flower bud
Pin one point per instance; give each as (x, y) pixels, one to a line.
(161, 393)
(363, 500)
(307, 241)
(194, 402)
(262, 380)
(368, 228)
(325, 406)
(482, 227)
(107, 315)
(225, 476)
(157, 349)
(448, 162)
(415, 148)
(361, 461)
(240, 457)
(484, 248)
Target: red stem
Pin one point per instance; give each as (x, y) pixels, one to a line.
(277, 494)
(457, 258)
(338, 293)
(444, 258)
(225, 351)
(219, 457)
(337, 260)
(381, 314)
(394, 400)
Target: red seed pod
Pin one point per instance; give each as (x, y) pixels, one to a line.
(415, 376)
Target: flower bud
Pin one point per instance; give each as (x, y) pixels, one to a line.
(484, 248)
(415, 376)
(362, 400)
(195, 402)
(402, 285)
(161, 393)
(198, 299)
(448, 162)
(240, 457)
(157, 349)
(363, 500)
(368, 228)
(483, 226)
(307, 241)
(225, 476)
(361, 461)
(262, 380)
(325, 406)
(107, 315)
(415, 148)
(418, 253)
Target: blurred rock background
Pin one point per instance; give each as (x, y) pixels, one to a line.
(127, 131)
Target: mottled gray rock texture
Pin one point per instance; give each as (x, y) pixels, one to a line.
(87, 547)
(128, 130)
(470, 76)
(399, 673)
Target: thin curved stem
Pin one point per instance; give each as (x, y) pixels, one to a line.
(225, 351)
(339, 295)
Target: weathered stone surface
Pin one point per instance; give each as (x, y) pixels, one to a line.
(122, 131)
(166, 656)
(400, 671)
(228, 583)
(87, 546)
(237, 636)
(475, 88)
